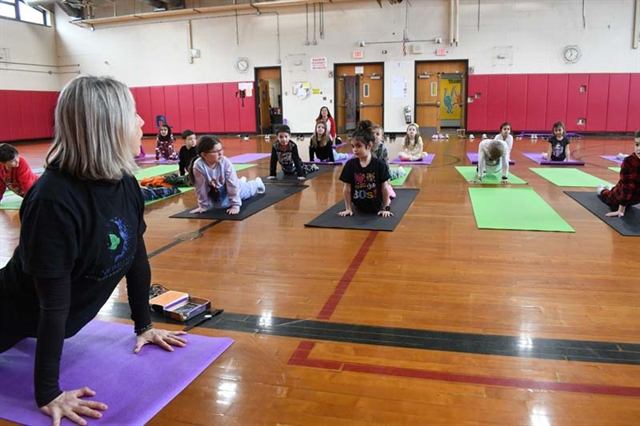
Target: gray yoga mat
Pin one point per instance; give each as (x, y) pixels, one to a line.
(628, 225)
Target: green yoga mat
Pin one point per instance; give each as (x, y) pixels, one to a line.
(400, 181)
(515, 209)
(10, 201)
(614, 169)
(164, 169)
(470, 173)
(570, 177)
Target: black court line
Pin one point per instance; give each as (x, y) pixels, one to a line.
(178, 241)
(480, 344)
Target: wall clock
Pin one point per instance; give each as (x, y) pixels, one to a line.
(571, 54)
(242, 64)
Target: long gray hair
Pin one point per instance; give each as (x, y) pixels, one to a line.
(95, 123)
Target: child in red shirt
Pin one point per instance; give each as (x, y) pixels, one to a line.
(15, 172)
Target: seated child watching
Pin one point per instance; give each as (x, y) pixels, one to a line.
(217, 184)
(558, 144)
(321, 145)
(627, 190)
(15, 172)
(188, 151)
(413, 146)
(164, 144)
(285, 152)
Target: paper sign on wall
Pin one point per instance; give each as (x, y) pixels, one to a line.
(359, 70)
(319, 63)
(247, 87)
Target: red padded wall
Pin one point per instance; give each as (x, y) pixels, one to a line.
(216, 107)
(14, 118)
(536, 102)
(4, 112)
(618, 102)
(497, 87)
(517, 102)
(557, 86)
(143, 104)
(201, 108)
(231, 107)
(248, 112)
(172, 108)
(577, 101)
(27, 114)
(156, 94)
(633, 113)
(597, 102)
(477, 109)
(185, 98)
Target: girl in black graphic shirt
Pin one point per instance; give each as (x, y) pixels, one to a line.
(365, 176)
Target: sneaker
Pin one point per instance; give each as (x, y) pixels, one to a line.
(484, 136)
(621, 156)
(243, 179)
(261, 188)
(401, 171)
(609, 187)
(600, 189)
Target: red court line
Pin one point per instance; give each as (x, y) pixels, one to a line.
(332, 303)
(301, 358)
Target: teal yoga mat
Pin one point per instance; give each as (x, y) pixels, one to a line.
(470, 173)
(515, 209)
(569, 177)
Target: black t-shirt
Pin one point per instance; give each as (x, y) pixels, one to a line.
(366, 183)
(78, 240)
(185, 156)
(558, 148)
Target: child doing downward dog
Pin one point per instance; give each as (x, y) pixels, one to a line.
(493, 157)
(413, 147)
(365, 177)
(215, 179)
(285, 152)
(627, 191)
(322, 146)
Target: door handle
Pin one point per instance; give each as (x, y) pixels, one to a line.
(437, 104)
(362, 104)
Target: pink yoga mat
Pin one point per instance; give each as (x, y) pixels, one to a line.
(349, 157)
(537, 157)
(425, 161)
(135, 387)
(249, 157)
(473, 157)
(613, 158)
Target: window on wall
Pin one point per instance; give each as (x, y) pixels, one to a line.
(21, 11)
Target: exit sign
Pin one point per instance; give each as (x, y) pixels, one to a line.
(358, 54)
(441, 52)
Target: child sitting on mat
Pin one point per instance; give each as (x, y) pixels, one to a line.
(216, 182)
(558, 144)
(505, 135)
(365, 177)
(164, 144)
(188, 151)
(627, 191)
(493, 157)
(380, 152)
(321, 145)
(285, 152)
(413, 146)
(15, 172)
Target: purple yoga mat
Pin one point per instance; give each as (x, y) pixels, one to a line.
(249, 157)
(135, 387)
(537, 157)
(349, 157)
(160, 161)
(425, 161)
(473, 157)
(613, 158)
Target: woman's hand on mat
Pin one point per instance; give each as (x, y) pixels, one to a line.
(197, 210)
(233, 210)
(385, 213)
(271, 177)
(345, 213)
(163, 338)
(70, 405)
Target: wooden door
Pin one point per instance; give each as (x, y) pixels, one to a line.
(369, 79)
(264, 105)
(436, 107)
